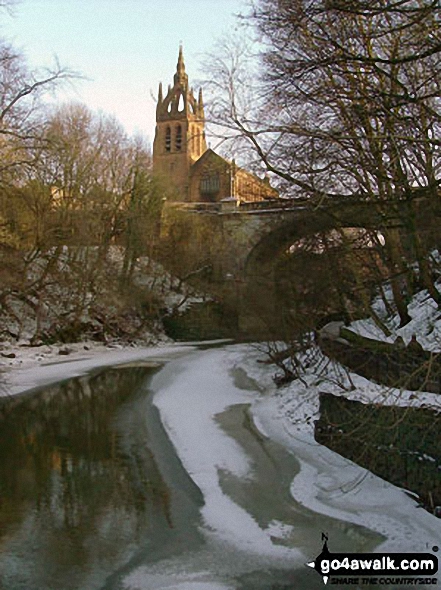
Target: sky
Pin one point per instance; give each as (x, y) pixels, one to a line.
(123, 47)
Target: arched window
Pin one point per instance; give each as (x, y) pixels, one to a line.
(181, 104)
(167, 139)
(178, 138)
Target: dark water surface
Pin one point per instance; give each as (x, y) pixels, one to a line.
(93, 496)
(80, 488)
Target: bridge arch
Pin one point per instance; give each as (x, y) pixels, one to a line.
(270, 298)
(270, 244)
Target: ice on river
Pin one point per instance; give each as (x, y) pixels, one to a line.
(327, 483)
(191, 393)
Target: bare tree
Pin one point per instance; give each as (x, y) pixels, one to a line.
(346, 104)
(22, 110)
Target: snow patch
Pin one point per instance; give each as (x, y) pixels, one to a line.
(206, 389)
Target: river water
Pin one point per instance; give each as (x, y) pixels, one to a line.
(130, 478)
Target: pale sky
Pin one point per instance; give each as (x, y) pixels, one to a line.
(124, 47)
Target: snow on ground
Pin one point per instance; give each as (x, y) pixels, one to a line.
(36, 366)
(328, 483)
(41, 365)
(425, 323)
(73, 293)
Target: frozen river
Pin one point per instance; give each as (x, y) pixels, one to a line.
(137, 479)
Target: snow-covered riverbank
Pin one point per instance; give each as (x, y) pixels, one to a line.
(37, 366)
(195, 394)
(328, 483)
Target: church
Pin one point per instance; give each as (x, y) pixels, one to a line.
(180, 154)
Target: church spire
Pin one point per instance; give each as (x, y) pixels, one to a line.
(181, 58)
(180, 76)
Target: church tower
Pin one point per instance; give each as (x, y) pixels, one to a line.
(180, 134)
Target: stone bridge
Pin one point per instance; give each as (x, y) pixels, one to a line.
(242, 242)
(241, 239)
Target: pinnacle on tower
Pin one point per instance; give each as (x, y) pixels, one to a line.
(180, 76)
(200, 102)
(160, 98)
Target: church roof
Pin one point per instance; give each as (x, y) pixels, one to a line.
(210, 154)
(222, 163)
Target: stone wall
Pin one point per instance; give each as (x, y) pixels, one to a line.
(401, 445)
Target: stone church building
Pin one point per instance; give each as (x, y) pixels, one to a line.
(180, 153)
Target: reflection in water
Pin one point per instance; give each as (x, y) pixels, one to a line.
(76, 493)
(93, 495)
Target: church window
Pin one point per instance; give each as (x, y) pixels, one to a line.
(210, 185)
(167, 139)
(178, 138)
(181, 104)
